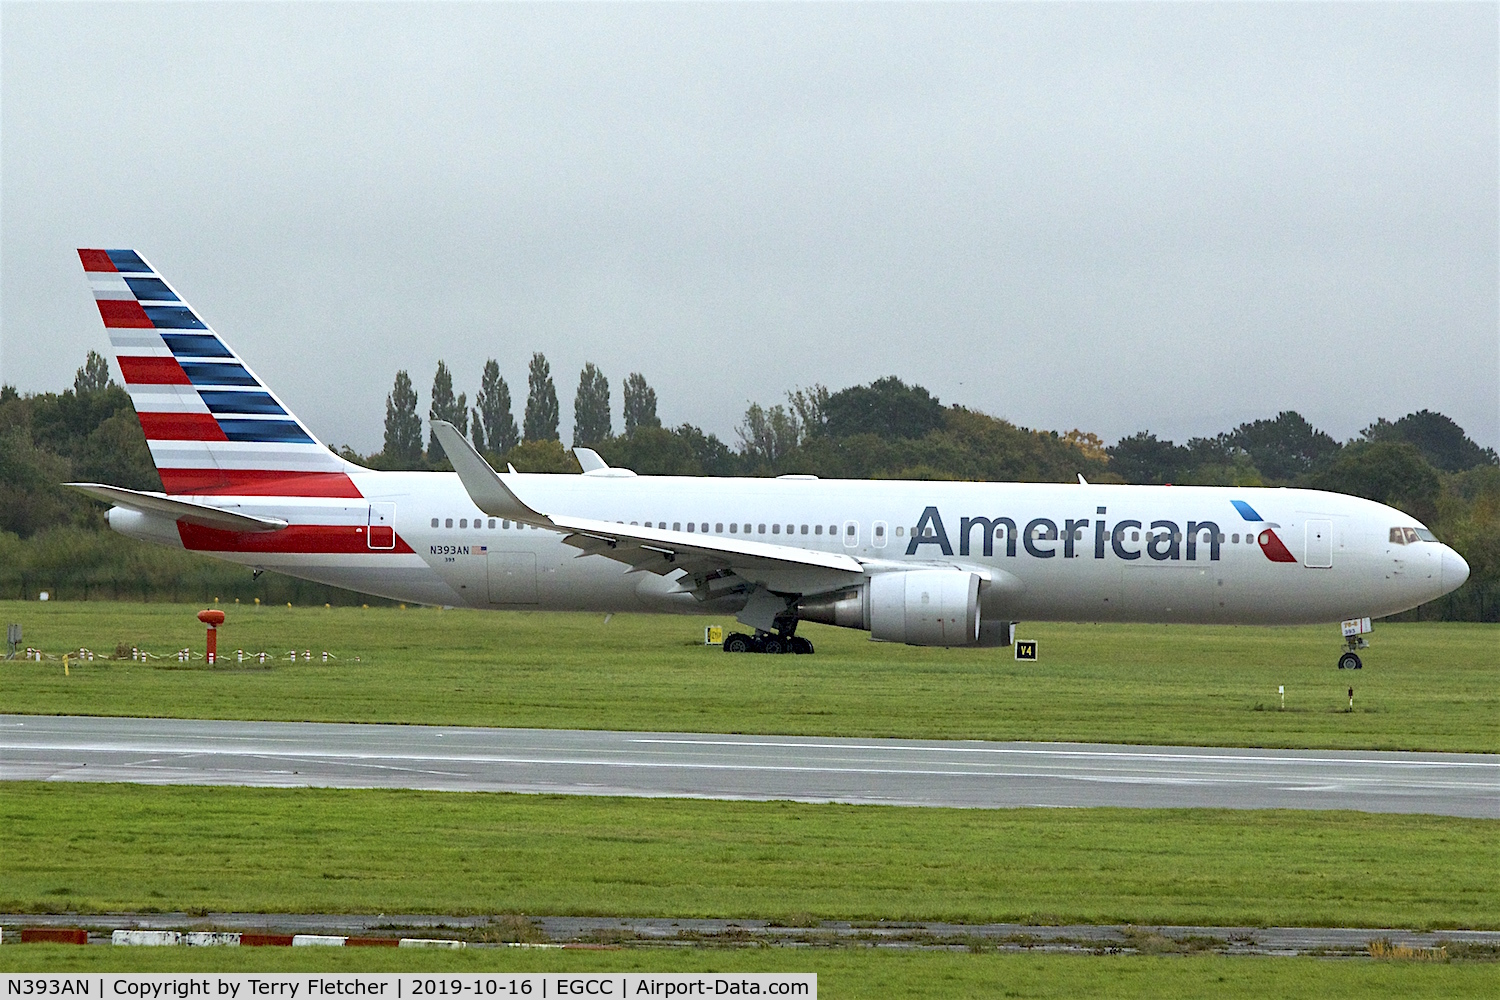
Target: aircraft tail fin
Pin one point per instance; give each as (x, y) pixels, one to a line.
(213, 426)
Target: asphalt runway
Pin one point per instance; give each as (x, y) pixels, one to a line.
(965, 774)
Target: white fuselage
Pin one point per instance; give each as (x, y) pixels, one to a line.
(1338, 557)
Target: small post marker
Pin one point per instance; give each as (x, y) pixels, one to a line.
(1351, 699)
(213, 619)
(12, 641)
(1281, 690)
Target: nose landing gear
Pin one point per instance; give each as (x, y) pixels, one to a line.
(1354, 630)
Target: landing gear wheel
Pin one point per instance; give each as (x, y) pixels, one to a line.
(1350, 661)
(773, 644)
(738, 642)
(800, 645)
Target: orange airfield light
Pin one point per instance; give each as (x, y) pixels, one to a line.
(213, 618)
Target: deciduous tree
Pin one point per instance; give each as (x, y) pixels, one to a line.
(445, 406)
(591, 423)
(541, 401)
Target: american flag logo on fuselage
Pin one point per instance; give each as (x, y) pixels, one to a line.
(213, 427)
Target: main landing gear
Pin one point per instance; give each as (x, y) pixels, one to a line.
(766, 642)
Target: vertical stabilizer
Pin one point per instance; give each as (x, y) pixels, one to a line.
(214, 428)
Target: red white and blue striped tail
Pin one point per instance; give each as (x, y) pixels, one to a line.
(214, 428)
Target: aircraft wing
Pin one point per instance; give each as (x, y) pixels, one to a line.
(178, 510)
(705, 558)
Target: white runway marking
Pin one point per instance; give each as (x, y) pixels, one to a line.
(965, 773)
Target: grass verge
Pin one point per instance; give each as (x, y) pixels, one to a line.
(1426, 686)
(100, 848)
(848, 973)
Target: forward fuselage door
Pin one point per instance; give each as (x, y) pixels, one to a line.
(381, 531)
(1319, 551)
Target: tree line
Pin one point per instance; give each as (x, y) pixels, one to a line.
(1423, 463)
(489, 423)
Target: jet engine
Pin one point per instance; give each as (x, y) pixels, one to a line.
(924, 607)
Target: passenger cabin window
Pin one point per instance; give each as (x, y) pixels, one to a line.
(718, 528)
(747, 529)
(733, 528)
(434, 522)
(691, 526)
(762, 529)
(492, 522)
(775, 529)
(448, 523)
(804, 529)
(463, 522)
(817, 529)
(703, 527)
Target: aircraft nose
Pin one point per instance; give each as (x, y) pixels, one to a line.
(1455, 569)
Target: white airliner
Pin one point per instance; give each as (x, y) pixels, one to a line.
(925, 563)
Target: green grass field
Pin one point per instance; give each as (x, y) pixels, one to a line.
(849, 973)
(107, 847)
(1425, 686)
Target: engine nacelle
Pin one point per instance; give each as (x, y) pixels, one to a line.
(922, 607)
(925, 607)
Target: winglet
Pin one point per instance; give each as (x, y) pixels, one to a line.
(484, 486)
(589, 460)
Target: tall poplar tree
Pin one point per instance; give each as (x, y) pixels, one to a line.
(541, 401)
(93, 376)
(640, 404)
(445, 406)
(403, 427)
(494, 427)
(591, 422)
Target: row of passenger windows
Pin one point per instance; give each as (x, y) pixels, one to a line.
(851, 530)
(463, 522)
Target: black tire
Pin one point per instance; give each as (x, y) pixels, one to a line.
(773, 644)
(738, 642)
(801, 646)
(1350, 661)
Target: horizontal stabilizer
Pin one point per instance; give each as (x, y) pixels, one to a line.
(178, 510)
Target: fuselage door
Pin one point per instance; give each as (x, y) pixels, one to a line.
(1319, 551)
(512, 577)
(381, 533)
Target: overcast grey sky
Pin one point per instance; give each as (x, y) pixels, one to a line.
(1105, 216)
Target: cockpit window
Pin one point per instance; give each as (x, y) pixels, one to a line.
(1426, 535)
(1411, 535)
(1398, 537)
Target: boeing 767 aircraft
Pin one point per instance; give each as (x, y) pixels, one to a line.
(925, 563)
